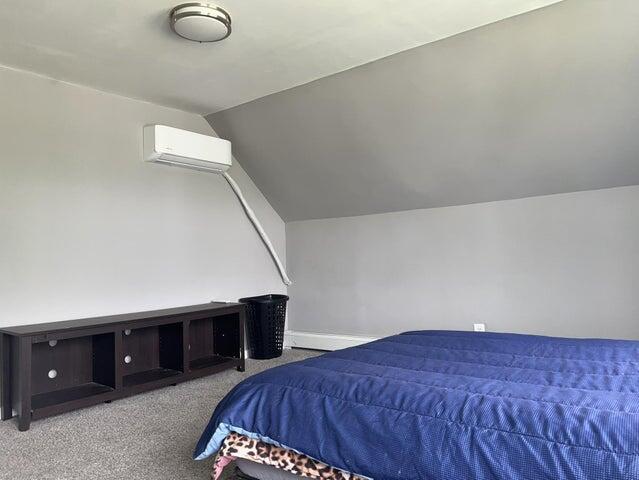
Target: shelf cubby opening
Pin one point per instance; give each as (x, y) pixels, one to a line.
(151, 354)
(72, 369)
(214, 341)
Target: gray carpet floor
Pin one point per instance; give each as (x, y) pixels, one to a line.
(149, 436)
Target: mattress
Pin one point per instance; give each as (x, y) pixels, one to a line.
(443, 404)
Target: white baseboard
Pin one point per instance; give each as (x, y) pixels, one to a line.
(323, 341)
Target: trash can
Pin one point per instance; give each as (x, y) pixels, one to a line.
(265, 316)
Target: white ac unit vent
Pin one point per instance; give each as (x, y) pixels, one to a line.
(173, 146)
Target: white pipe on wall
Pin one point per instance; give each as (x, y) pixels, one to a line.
(258, 227)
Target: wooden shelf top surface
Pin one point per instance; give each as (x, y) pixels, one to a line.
(216, 308)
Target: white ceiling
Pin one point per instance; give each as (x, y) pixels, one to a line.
(126, 46)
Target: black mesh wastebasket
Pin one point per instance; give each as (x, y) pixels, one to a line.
(265, 316)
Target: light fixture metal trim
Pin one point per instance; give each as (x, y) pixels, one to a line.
(200, 9)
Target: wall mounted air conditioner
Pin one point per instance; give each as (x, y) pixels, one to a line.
(173, 146)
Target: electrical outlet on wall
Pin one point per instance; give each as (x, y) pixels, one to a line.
(479, 327)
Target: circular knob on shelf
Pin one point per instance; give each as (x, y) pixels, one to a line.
(52, 374)
(53, 343)
(127, 332)
(127, 359)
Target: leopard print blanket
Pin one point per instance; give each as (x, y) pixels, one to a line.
(241, 446)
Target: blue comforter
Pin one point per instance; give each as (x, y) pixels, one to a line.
(443, 405)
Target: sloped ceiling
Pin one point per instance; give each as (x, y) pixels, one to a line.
(126, 47)
(541, 103)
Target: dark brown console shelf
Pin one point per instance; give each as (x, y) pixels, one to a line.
(51, 368)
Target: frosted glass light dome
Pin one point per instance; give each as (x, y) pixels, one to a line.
(201, 22)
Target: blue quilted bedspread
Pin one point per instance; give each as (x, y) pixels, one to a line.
(442, 405)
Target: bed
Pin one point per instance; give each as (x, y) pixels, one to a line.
(449, 405)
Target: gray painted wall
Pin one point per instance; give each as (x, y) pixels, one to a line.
(88, 229)
(559, 265)
(542, 103)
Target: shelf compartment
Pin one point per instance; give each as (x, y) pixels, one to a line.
(214, 341)
(68, 370)
(71, 394)
(209, 361)
(152, 353)
(148, 376)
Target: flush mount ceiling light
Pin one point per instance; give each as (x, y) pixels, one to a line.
(200, 22)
